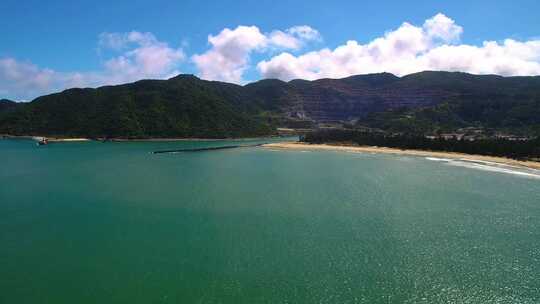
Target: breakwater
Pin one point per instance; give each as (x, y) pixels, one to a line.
(205, 149)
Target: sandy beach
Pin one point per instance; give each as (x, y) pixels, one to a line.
(38, 138)
(368, 149)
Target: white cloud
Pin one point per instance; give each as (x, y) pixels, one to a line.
(230, 51)
(119, 41)
(434, 45)
(508, 58)
(142, 56)
(305, 32)
(149, 58)
(24, 78)
(284, 40)
(410, 49)
(442, 27)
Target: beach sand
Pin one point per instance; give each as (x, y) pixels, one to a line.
(369, 149)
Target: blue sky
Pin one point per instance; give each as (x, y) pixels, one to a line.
(51, 45)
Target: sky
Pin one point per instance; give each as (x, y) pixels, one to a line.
(48, 46)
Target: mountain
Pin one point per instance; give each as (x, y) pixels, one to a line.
(493, 102)
(423, 102)
(183, 106)
(6, 104)
(358, 96)
(186, 106)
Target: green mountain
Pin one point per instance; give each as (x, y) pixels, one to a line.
(509, 104)
(424, 102)
(495, 113)
(6, 104)
(186, 106)
(183, 106)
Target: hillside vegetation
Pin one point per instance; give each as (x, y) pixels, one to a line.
(186, 106)
(183, 106)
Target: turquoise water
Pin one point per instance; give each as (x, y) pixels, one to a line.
(112, 223)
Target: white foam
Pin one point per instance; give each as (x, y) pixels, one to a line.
(439, 159)
(488, 166)
(497, 168)
(489, 163)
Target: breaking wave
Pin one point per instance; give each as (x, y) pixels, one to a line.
(489, 166)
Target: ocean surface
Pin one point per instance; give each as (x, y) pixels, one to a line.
(112, 223)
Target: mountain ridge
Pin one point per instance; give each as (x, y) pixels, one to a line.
(187, 106)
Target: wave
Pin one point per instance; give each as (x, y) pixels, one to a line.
(489, 166)
(485, 162)
(497, 168)
(439, 159)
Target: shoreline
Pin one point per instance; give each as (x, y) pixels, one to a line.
(38, 138)
(424, 153)
(82, 139)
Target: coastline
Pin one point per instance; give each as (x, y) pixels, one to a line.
(38, 138)
(424, 153)
(156, 139)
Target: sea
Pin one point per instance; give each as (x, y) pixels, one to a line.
(92, 222)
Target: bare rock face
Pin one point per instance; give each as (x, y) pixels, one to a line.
(349, 98)
(344, 102)
(354, 97)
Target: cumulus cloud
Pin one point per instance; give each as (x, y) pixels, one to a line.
(433, 45)
(119, 41)
(284, 40)
(229, 54)
(409, 49)
(136, 56)
(442, 27)
(17, 78)
(145, 57)
(305, 32)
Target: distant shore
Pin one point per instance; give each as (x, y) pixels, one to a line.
(369, 149)
(38, 138)
(155, 139)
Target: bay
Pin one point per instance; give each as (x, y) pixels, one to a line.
(113, 223)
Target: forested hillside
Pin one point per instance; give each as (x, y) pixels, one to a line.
(186, 106)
